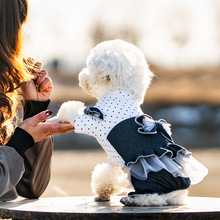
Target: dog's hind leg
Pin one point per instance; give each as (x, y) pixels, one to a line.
(178, 197)
(105, 181)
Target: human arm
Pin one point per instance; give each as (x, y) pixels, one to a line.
(12, 163)
(12, 159)
(37, 160)
(11, 171)
(21, 150)
(19, 157)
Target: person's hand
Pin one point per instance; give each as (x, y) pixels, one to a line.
(39, 128)
(38, 89)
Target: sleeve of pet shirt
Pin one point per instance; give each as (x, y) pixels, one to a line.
(87, 124)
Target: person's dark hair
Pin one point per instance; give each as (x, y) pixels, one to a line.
(13, 14)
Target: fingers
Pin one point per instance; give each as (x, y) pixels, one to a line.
(46, 85)
(37, 68)
(58, 128)
(43, 82)
(48, 128)
(39, 129)
(41, 117)
(32, 66)
(41, 77)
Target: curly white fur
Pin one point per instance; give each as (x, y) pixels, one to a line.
(109, 180)
(116, 65)
(178, 197)
(113, 65)
(68, 111)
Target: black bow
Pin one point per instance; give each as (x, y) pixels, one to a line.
(157, 128)
(93, 111)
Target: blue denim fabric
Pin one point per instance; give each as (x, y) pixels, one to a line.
(131, 144)
(159, 182)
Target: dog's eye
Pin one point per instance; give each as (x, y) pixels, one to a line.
(108, 78)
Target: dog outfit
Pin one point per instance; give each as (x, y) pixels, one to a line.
(133, 139)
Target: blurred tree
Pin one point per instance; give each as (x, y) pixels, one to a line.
(100, 32)
(179, 26)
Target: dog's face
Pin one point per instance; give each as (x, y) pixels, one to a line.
(94, 83)
(114, 65)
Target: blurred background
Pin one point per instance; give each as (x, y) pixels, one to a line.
(181, 41)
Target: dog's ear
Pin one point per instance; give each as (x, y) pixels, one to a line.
(84, 79)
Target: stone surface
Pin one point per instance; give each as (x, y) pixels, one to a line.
(86, 208)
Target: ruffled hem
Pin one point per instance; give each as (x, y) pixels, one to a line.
(184, 165)
(173, 158)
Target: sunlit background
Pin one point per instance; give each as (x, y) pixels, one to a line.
(172, 33)
(181, 41)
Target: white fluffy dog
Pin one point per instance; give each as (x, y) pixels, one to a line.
(142, 155)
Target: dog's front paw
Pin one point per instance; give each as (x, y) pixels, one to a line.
(69, 110)
(54, 119)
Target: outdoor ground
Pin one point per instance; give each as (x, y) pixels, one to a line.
(71, 173)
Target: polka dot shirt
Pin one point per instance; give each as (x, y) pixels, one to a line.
(116, 106)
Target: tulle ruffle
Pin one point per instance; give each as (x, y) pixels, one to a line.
(184, 165)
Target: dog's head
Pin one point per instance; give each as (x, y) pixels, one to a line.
(113, 65)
